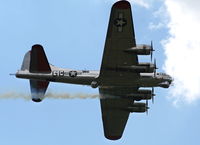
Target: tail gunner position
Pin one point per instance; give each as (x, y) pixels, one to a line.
(121, 75)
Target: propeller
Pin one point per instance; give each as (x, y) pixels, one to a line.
(152, 50)
(152, 94)
(155, 67)
(147, 107)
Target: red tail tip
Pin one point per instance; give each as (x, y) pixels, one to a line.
(122, 4)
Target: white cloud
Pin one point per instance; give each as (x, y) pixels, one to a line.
(182, 49)
(153, 26)
(161, 15)
(143, 3)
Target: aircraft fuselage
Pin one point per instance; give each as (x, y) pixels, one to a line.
(86, 77)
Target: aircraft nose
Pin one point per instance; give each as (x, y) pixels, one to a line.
(171, 79)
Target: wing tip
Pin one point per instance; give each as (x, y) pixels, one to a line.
(123, 4)
(113, 137)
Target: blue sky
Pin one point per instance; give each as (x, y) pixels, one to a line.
(73, 35)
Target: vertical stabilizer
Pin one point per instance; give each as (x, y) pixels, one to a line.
(38, 60)
(38, 64)
(35, 61)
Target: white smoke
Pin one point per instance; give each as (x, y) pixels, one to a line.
(182, 49)
(71, 96)
(16, 95)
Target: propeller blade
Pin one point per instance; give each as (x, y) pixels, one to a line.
(155, 67)
(153, 95)
(152, 50)
(153, 99)
(147, 107)
(152, 45)
(155, 64)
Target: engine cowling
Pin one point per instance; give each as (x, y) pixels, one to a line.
(144, 91)
(138, 108)
(142, 49)
(140, 68)
(142, 95)
(139, 105)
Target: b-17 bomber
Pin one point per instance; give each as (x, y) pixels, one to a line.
(125, 84)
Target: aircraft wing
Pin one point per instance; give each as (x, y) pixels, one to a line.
(120, 36)
(115, 111)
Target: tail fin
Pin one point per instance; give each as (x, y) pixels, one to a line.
(38, 64)
(35, 61)
(38, 60)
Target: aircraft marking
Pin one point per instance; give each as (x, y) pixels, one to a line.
(58, 73)
(73, 73)
(120, 22)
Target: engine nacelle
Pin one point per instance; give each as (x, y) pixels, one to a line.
(144, 91)
(164, 84)
(140, 68)
(142, 49)
(139, 105)
(142, 95)
(138, 108)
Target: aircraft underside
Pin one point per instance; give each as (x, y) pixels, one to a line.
(122, 80)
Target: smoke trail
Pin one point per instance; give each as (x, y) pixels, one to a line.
(16, 95)
(71, 96)
(182, 49)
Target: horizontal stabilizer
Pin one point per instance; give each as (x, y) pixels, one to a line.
(38, 89)
(26, 61)
(38, 60)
